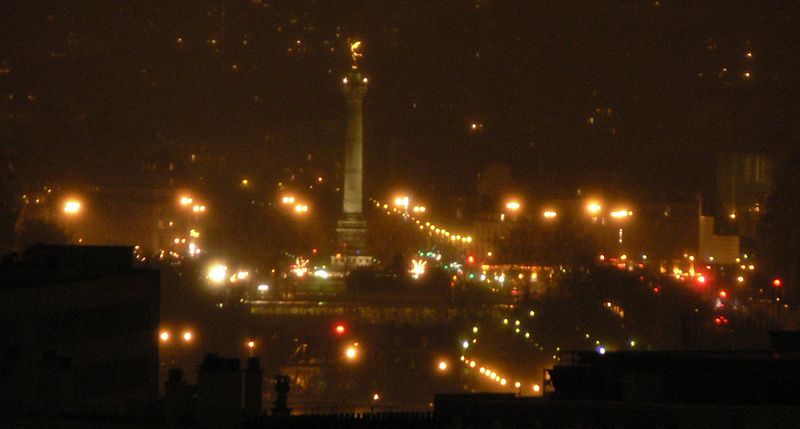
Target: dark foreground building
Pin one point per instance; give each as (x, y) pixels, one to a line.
(78, 333)
(749, 389)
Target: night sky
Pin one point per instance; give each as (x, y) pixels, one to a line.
(629, 97)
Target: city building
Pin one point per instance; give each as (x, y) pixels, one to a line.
(161, 221)
(743, 389)
(224, 396)
(716, 248)
(78, 333)
(744, 181)
(654, 232)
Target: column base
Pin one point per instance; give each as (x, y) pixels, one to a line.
(351, 234)
(351, 243)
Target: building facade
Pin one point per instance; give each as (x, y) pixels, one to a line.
(78, 332)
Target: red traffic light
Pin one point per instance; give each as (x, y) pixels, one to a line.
(777, 283)
(723, 294)
(339, 329)
(470, 259)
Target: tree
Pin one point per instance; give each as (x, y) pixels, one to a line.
(560, 242)
(37, 231)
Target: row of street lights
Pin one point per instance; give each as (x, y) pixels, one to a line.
(165, 336)
(296, 205)
(402, 203)
(592, 207)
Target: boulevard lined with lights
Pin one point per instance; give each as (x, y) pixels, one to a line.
(401, 208)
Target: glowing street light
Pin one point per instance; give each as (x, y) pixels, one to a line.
(549, 214)
(164, 336)
(72, 207)
(187, 336)
(218, 273)
(402, 201)
(351, 352)
(621, 214)
(442, 366)
(594, 208)
(513, 205)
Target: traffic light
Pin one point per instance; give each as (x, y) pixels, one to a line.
(339, 329)
(777, 283)
(470, 259)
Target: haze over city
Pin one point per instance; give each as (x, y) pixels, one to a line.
(379, 208)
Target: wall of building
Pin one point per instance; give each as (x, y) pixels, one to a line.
(85, 345)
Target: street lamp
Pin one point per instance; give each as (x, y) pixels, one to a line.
(621, 214)
(594, 208)
(351, 352)
(72, 207)
(513, 205)
(402, 201)
(549, 214)
(218, 273)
